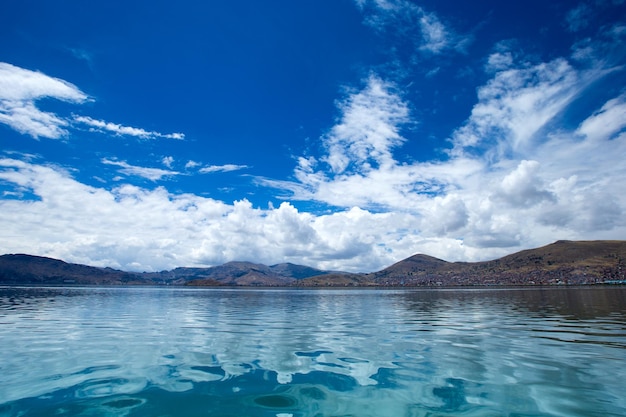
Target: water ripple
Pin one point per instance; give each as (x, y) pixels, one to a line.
(157, 352)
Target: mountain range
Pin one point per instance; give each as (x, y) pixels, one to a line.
(562, 262)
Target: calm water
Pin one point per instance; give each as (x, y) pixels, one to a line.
(297, 353)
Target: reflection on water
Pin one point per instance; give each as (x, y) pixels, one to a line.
(221, 352)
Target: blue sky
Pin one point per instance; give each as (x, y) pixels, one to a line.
(340, 134)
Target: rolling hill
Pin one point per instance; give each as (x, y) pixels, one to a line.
(560, 263)
(29, 269)
(236, 273)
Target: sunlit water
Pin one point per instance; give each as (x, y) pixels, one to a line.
(297, 353)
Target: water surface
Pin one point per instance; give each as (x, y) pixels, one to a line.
(299, 353)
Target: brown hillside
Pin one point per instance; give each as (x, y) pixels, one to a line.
(28, 269)
(562, 262)
(417, 269)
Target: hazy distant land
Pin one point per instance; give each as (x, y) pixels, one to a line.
(560, 263)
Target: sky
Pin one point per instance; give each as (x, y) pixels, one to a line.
(339, 134)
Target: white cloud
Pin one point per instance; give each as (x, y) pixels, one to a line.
(523, 187)
(131, 227)
(514, 178)
(19, 84)
(517, 103)
(191, 164)
(21, 88)
(464, 208)
(368, 129)
(168, 161)
(434, 34)
(103, 126)
(221, 168)
(359, 168)
(445, 215)
(608, 122)
(499, 61)
(472, 205)
(153, 174)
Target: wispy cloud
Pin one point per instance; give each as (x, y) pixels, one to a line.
(435, 35)
(153, 174)
(221, 168)
(607, 123)
(499, 61)
(120, 130)
(514, 173)
(579, 17)
(517, 103)
(359, 167)
(407, 20)
(82, 55)
(21, 88)
(368, 129)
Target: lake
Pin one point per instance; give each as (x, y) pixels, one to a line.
(318, 353)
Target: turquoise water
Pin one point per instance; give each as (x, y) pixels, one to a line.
(296, 353)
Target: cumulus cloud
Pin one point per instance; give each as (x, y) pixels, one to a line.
(21, 88)
(523, 187)
(445, 215)
(136, 228)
